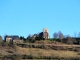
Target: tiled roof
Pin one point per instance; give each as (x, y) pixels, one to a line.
(13, 37)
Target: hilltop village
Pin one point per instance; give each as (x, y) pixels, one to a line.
(16, 39)
(40, 46)
(44, 35)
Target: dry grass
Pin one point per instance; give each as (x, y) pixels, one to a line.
(43, 52)
(40, 52)
(3, 50)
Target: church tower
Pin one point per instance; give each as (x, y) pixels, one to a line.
(45, 33)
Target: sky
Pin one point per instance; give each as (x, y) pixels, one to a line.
(24, 17)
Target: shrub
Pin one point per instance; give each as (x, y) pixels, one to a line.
(16, 57)
(4, 44)
(9, 51)
(78, 53)
(0, 54)
(76, 50)
(25, 56)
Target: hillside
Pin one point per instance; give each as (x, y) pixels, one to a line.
(40, 51)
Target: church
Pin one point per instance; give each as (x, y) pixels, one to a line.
(44, 34)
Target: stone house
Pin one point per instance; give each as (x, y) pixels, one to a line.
(18, 41)
(14, 38)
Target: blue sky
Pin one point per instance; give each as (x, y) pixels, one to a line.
(24, 17)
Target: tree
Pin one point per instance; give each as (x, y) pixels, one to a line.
(33, 38)
(79, 35)
(22, 38)
(61, 36)
(1, 39)
(29, 38)
(69, 40)
(55, 35)
(74, 40)
(11, 43)
(75, 34)
(79, 42)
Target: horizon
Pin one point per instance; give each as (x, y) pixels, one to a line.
(22, 18)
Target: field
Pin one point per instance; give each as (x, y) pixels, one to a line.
(37, 51)
(50, 52)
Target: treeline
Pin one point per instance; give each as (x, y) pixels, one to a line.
(67, 38)
(57, 36)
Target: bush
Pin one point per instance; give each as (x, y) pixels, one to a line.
(79, 53)
(9, 51)
(77, 50)
(4, 44)
(16, 57)
(25, 56)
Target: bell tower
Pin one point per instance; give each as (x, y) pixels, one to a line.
(45, 30)
(45, 33)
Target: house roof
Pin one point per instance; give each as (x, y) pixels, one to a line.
(13, 37)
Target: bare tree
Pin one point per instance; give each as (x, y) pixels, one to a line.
(75, 34)
(55, 35)
(29, 38)
(68, 36)
(79, 34)
(61, 36)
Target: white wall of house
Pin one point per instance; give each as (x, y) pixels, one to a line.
(8, 39)
(18, 41)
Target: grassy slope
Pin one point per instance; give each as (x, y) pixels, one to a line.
(43, 52)
(39, 52)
